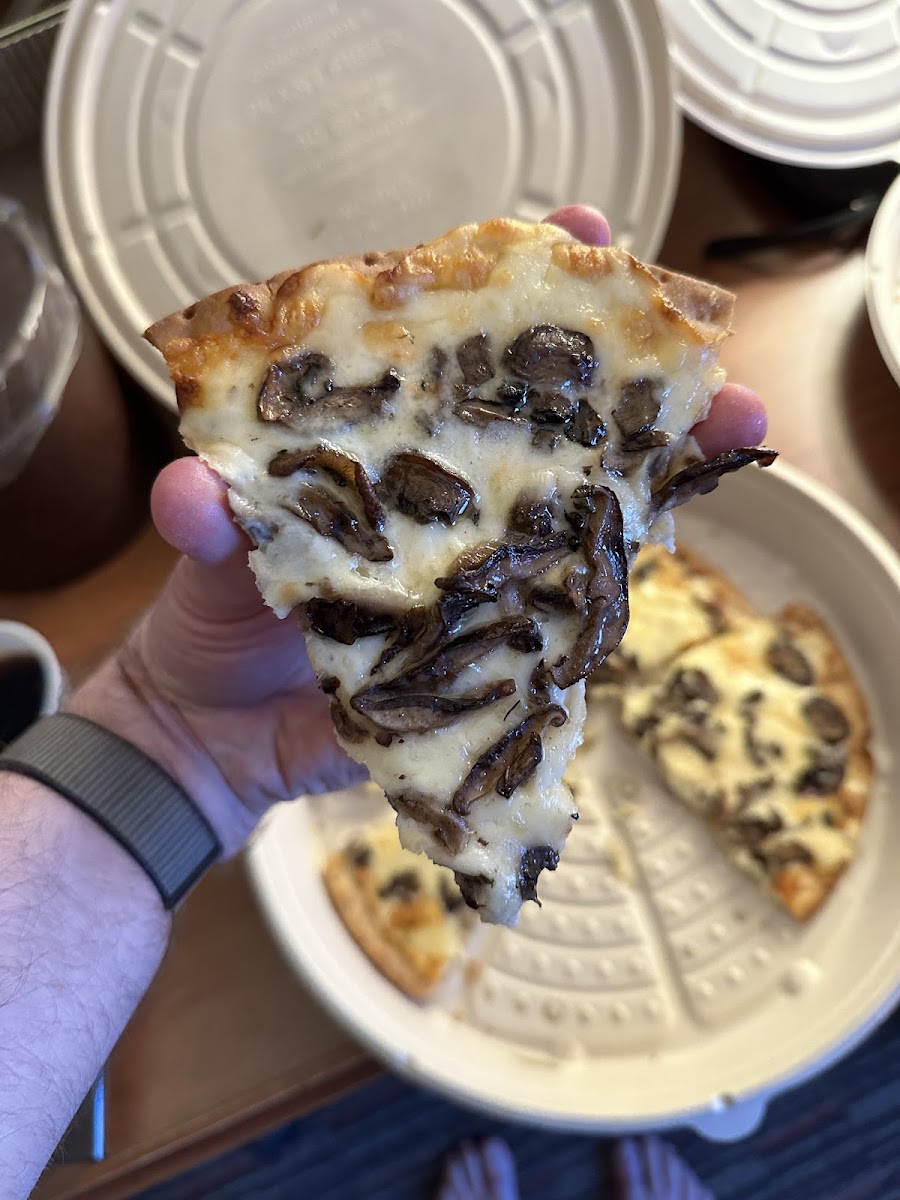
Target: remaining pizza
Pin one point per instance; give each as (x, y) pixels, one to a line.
(405, 913)
(763, 731)
(446, 458)
(675, 601)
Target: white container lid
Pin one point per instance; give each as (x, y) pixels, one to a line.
(810, 82)
(193, 145)
(883, 278)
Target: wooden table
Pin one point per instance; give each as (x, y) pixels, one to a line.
(226, 1043)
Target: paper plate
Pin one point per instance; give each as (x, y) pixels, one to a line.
(883, 278)
(656, 986)
(193, 145)
(810, 82)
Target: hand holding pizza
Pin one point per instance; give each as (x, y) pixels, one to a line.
(220, 687)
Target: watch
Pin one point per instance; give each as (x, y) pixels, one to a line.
(124, 791)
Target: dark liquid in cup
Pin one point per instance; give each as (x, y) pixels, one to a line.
(21, 694)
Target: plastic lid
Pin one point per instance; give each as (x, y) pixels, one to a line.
(883, 278)
(193, 145)
(811, 82)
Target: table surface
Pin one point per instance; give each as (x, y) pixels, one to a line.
(226, 1043)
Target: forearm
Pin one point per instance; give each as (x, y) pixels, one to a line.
(82, 932)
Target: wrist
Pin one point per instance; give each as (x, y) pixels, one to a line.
(120, 697)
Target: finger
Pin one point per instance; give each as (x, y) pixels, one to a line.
(584, 223)
(190, 509)
(737, 418)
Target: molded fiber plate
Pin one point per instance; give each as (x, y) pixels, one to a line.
(656, 985)
(192, 145)
(811, 82)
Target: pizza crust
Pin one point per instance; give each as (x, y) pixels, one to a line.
(277, 312)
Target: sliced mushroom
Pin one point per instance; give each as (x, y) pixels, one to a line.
(402, 887)
(365, 401)
(475, 360)
(539, 686)
(512, 394)
(533, 861)
(619, 668)
(606, 590)
(346, 621)
(546, 437)
(789, 662)
(451, 896)
(690, 685)
(448, 828)
(638, 407)
(749, 793)
(509, 762)
(419, 624)
(447, 662)
(421, 488)
(551, 408)
(474, 889)
(645, 439)
(702, 477)
(359, 855)
(332, 518)
(551, 599)
(484, 570)
(434, 376)
(288, 385)
(759, 752)
(827, 719)
(531, 518)
(704, 741)
(416, 700)
(344, 469)
(585, 427)
(786, 854)
(423, 712)
(345, 726)
(548, 354)
(482, 413)
(753, 830)
(822, 777)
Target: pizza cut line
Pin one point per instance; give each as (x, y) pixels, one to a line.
(446, 459)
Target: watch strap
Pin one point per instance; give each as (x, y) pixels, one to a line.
(124, 791)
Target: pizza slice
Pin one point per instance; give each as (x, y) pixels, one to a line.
(676, 600)
(406, 914)
(446, 458)
(763, 732)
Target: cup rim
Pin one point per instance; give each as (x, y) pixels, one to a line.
(30, 640)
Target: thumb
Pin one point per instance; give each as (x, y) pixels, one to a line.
(190, 509)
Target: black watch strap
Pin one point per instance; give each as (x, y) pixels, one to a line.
(125, 791)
